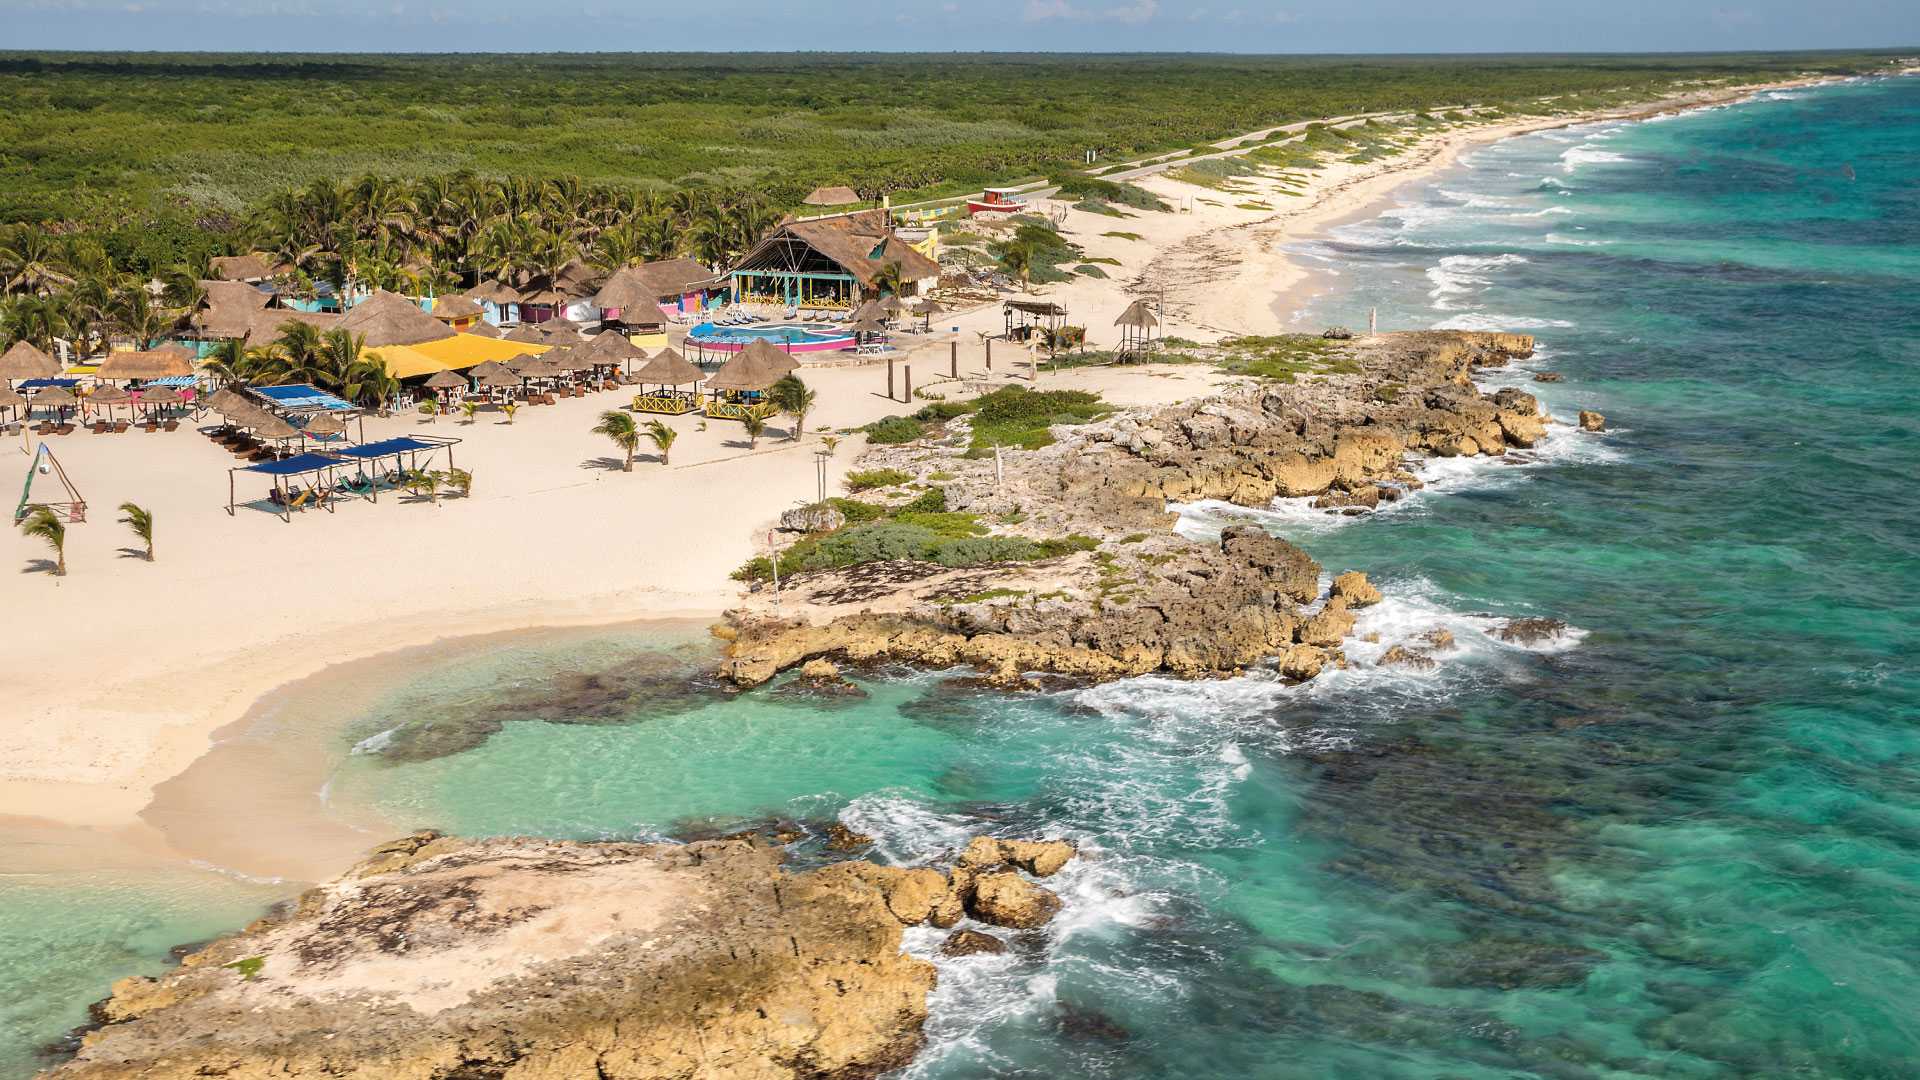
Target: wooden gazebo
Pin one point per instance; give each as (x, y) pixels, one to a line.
(739, 387)
(1137, 326)
(667, 372)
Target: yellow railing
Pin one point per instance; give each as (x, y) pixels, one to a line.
(731, 410)
(665, 404)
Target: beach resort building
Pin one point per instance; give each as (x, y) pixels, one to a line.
(830, 262)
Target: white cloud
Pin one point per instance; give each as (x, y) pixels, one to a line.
(1138, 11)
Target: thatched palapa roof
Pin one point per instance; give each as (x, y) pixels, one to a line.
(859, 243)
(161, 395)
(455, 306)
(387, 318)
(610, 347)
(24, 361)
(832, 196)
(447, 380)
(1138, 314)
(268, 322)
(324, 423)
(491, 291)
(54, 395)
(109, 395)
(227, 310)
(493, 373)
(483, 328)
(669, 368)
(252, 267)
(755, 367)
(649, 283)
(9, 397)
(527, 333)
(159, 363)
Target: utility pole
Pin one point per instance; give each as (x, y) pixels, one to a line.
(1373, 320)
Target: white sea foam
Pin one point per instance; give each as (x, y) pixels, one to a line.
(1588, 155)
(1476, 320)
(1456, 276)
(1574, 241)
(374, 744)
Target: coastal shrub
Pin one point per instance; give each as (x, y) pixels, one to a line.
(1066, 545)
(1118, 235)
(979, 551)
(1285, 357)
(868, 479)
(1015, 416)
(893, 430)
(930, 501)
(1093, 189)
(947, 523)
(941, 411)
(1085, 270)
(857, 511)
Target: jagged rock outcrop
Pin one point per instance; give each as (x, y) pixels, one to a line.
(438, 958)
(1209, 610)
(1147, 600)
(971, 943)
(1592, 421)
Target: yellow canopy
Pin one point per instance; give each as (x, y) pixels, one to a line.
(449, 354)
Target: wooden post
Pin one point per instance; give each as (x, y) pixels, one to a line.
(989, 354)
(954, 355)
(889, 378)
(909, 385)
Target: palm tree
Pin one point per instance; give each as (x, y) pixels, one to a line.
(510, 408)
(430, 409)
(43, 525)
(662, 437)
(141, 522)
(460, 481)
(29, 264)
(134, 311)
(791, 396)
(1017, 257)
(755, 424)
(888, 280)
(619, 427)
(425, 481)
(468, 408)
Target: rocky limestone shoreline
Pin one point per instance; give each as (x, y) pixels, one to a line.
(1145, 599)
(526, 959)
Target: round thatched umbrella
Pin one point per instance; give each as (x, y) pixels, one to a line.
(928, 310)
(493, 373)
(106, 397)
(892, 304)
(483, 328)
(325, 423)
(446, 380)
(752, 369)
(23, 361)
(55, 397)
(10, 398)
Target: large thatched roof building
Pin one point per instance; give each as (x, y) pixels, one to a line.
(830, 260)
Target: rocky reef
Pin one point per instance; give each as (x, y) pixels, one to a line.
(1145, 599)
(521, 959)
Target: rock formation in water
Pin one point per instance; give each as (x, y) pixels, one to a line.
(1148, 600)
(521, 959)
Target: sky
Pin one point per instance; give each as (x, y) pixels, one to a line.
(1246, 26)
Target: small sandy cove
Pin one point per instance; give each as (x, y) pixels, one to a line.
(119, 674)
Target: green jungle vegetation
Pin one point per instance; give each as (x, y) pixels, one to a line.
(418, 172)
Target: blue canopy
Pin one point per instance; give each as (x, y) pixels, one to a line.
(301, 396)
(43, 384)
(177, 381)
(298, 463)
(386, 448)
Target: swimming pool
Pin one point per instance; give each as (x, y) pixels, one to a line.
(790, 336)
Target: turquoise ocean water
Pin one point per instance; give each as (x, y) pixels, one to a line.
(1681, 839)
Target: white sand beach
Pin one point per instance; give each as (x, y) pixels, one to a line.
(121, 672)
